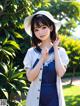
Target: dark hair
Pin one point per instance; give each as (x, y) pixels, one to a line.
(38, 19)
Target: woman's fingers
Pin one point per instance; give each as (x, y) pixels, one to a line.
(45, 53)
(56, 42)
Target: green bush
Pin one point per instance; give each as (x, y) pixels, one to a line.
(12, 79)
(73, 50)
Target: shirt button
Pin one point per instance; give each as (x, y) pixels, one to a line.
(41, 68)
(39, 90)
(40, 79)
(37, 97)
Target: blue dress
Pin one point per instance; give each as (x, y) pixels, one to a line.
(48, 93)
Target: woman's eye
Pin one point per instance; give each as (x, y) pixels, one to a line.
(35, 30)
(44, 27)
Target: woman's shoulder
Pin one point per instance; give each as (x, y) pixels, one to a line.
(62, 50)
(31, 49)
(64, 56)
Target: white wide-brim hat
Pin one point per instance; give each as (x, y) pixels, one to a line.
(27, 21)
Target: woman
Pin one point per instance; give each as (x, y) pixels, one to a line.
(46, 62)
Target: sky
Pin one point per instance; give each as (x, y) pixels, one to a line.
(78, 0)
(77, 32)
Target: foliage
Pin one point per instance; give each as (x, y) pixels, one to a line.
(12, 83)
(72, 99)
(14, 42)
(73, 50)
(7, 50)
(12, 80)
(13, 12)
(68, 13)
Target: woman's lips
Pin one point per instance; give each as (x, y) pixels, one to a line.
(42, 36)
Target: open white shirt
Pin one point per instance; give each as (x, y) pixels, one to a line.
(33, 93)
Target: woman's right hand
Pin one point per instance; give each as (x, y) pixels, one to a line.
(44, 54)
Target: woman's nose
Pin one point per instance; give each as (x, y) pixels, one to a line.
(41, 32)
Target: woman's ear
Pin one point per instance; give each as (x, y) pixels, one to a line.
(51, 28)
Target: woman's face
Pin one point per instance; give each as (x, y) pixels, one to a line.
(42, 32)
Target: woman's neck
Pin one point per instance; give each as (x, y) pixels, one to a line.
(47, 44)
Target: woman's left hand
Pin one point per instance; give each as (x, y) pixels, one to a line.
(56, 42)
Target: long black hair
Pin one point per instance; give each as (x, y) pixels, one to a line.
(37, 20)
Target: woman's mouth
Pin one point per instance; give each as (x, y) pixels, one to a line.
(42, 36)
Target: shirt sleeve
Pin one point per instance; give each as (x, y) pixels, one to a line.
(64, 57)
(27, 60)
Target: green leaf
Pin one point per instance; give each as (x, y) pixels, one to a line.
(17, 75)
(10, 50)
(4, 55)
(4, 66)
(8, 53)
(26, 88)
(7, 36)
(13, 88)
(22, 82)
(3, 78)
(19, 92)
(76, 57)
(19, 84)
(3, 92)
(13, 43)
(17, 35)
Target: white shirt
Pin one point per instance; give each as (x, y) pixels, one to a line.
(33, 95)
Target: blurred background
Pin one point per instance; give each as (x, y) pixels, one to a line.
(14, 43)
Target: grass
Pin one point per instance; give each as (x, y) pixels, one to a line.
(72, 95)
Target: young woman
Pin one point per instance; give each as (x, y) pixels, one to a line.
(46, 62)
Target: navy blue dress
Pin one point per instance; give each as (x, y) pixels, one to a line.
(48, 93)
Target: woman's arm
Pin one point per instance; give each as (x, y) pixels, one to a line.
(32, 74)
(60, 68)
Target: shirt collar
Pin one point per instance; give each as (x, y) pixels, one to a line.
(38, 49)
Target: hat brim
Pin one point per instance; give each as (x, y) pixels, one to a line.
(27, 22)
